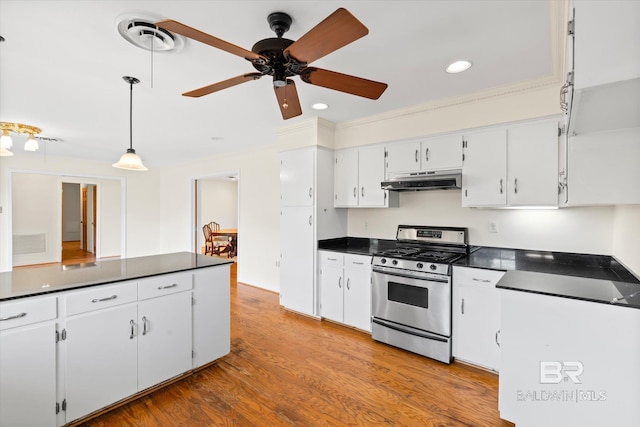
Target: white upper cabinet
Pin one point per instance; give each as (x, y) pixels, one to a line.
(358, 173)
(484, 171)
(604, 168)
(515, 165)
(297, 174)
(437, 153)
(607, 42)
(606, 66)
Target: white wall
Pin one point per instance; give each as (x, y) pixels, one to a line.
(139, 235)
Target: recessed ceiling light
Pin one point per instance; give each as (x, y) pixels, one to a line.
(458, 67)
(319, 106)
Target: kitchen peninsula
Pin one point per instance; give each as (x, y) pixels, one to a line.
(75, 340)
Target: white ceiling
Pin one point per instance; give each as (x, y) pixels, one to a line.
(62, 63)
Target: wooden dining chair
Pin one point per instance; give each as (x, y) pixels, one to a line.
(214, 226)
(208, 240)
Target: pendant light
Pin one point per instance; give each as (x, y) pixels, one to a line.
(130, 160)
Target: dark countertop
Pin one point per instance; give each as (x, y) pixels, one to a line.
(42, 280)
(596, 278)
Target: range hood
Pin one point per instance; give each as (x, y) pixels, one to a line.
(422, 181)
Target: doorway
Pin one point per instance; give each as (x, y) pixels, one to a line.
(79, 222)
(216, 200)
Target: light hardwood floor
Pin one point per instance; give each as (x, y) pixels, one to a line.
(285, 369)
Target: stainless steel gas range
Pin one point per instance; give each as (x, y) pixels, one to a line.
(411, 289)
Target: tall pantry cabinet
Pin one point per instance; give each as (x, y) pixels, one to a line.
(306, 216)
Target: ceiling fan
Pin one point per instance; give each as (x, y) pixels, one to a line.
(283, 58)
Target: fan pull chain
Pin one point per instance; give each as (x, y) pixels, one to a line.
(284, 103)
(152, 43)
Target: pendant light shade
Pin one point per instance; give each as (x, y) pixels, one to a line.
(130, 160)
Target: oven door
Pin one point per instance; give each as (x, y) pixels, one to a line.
(419, 303)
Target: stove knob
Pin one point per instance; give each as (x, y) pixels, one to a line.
(433, 267)
(394, 262)
(419, 265)
(383, 261)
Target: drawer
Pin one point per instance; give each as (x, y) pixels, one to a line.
(331, 258)
(357, 261)
(476, 276)
(101, 297)
(164, 285)
(27, 311)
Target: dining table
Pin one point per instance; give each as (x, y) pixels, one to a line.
(231, 232)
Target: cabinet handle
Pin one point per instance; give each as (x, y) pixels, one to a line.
(362, 191)
(132, 324)
(173, 285)
(340, 282)
(417, 152)
(426, 154)
(500, 185)
(310, 192)
(358, 263)
(144, 325)
(310, 223)
(17, 316)
(332, 259)
(462, 306)
(104, 299)
(481, 280)
(355, 192)
(515, 185)
(497, 335)
(348, 288)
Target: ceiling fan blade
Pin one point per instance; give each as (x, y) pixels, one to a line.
(288, 95)
(343, 82)
(206, 90)
(205, 38)
(337, 30)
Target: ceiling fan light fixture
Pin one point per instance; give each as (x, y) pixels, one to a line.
(5, 140)
(458, 66)
(5, 152)
(320, 106)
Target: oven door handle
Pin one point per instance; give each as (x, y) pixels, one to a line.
(408, 330)
(409, 276)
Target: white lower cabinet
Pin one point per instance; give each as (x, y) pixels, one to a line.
(64, 357)
(345, 288)
(164, 338)
(476, 316)
(28, 363)
(101, 359)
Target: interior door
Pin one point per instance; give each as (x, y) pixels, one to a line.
(83, 221)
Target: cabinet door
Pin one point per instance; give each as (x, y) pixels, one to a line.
(370, 175)
(296, 177)
(164, 338)
(345, 182)
(211, 314)
(532, 164)
(403, 157)
(478, 315)
(331, 293)
(297, 240)
(444, 152)
(101, 359)
(357, 295)
(484, 169)
(28, 376)
(606, 42)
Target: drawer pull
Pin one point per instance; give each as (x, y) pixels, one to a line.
(358, 263)
(332, 259)
(481, 280)
(104, 299)
(17, 316)
(173, 285)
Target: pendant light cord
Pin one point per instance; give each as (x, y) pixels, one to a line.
(131, 115)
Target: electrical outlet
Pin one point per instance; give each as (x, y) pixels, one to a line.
(493, 227)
